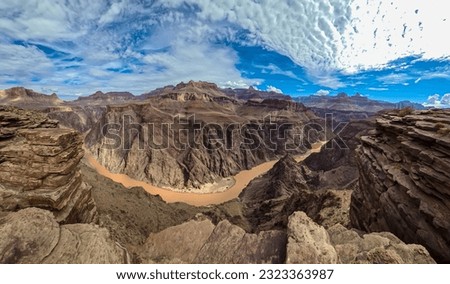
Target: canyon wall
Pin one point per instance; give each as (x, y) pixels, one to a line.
(39, 167)
(224, 138)
(404, 184)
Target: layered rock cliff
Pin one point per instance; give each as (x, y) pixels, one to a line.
(39, 167)
(335, 166)
(44, 203)
(79, 117)
(196, 135)
(404, 179)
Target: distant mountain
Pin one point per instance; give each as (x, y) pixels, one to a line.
(26, 98)
(357, 103)
(105, 98)
(404, 104)
(236, 94)
(156, 92)
(203, 91)
(191, 91)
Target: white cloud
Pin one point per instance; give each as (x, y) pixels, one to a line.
(24, 63)
(171, 49)
(328, 35)
(328, 81)
(445, 99)
(436, 75)
(378, 89)
(241, 84)
(112, 13)
(322, 93)
(274, 69)
(395, 79)
(433, 101)
(274, 89)
(48, 20)
(438, 102)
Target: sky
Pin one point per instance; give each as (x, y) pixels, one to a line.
(388, 50)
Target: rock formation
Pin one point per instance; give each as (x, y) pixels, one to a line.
(271, 198)
(355, 103)
(310, 243)
(79, 117)
(105, 98)
(26, 98)
(404, 179)
(39, 167)
(303, 242)
(199, 241)
(33, 236)
(335, 166)
(254, 95)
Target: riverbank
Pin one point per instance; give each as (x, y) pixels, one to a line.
(241, 180)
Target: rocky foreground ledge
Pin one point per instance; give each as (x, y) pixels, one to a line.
(305, 242)
(45, 206)
(39, 167)
(405, 180)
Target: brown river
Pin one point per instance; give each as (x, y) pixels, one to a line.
(242, 179)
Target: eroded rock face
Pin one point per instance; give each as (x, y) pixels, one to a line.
(335, 166)
(195, 135)
(310, 243)
(404, 180)
(379, 248)
(34, 236)
(39, 167)
(269, 200)
(178, 244)
(201, 242)
(76, 116)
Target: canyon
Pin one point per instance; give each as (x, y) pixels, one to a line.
(374, 191)
(194, 135)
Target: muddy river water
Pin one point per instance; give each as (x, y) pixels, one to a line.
(242, 179)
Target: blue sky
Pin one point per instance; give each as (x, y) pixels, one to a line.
(389, 50)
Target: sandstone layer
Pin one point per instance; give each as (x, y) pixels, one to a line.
(39, 167)
(404, 180)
